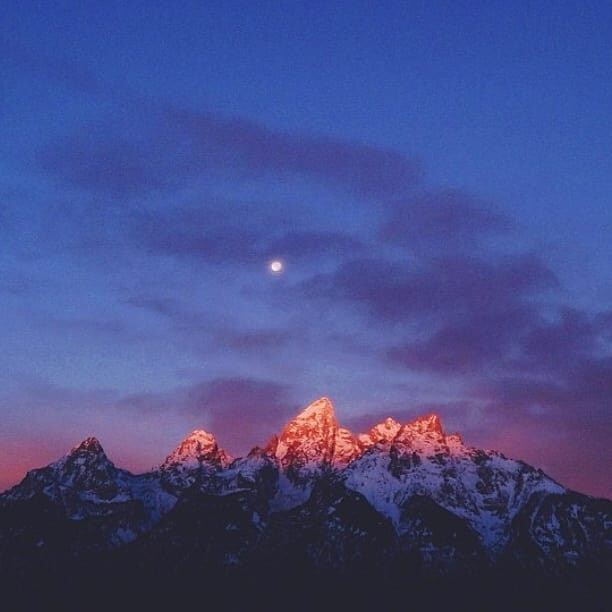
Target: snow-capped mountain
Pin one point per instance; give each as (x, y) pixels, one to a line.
(195, 460)
(84, 475)
(401, 494)
(482, 487)
(84, 486)
(313, 441)
(382, 433)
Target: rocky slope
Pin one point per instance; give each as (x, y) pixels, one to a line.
(399, 496)
(193, 462)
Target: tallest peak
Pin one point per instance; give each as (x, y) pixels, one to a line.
(309, 440)
(320, 407)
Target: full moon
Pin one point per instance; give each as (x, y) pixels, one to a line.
(276, 266)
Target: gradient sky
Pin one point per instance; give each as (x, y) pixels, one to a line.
(435, 176)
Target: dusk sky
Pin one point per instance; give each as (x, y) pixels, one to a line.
(435, 177)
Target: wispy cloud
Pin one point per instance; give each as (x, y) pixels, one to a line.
(168, 146)
(394, 290)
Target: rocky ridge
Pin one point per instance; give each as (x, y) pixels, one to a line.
(316, 493)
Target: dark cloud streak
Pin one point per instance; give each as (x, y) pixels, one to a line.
(172, 145)
(394, 291)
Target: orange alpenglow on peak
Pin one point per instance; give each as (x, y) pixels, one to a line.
(313, 439)
(90, 444)
(427, 423)
(383, 432)
(201, 437)
(319, 409)
(198, 447)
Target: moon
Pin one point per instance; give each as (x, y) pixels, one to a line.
(276, 266)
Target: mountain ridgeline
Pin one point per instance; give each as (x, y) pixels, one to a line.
(387, 516)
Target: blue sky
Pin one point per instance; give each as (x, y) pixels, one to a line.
(435, 177)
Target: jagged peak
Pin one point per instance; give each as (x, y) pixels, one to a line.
(84, 468)
(321, 408)
(199, 446)
(427, 423)
(90, 444)
(389, 423)
(382, 432)
(309, 438)
(201, 437)
(423, 435)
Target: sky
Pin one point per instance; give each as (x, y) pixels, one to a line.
(434, 177)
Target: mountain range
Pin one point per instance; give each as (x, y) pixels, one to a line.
(403, 506)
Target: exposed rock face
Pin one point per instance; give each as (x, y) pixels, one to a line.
(400, 495)
(104, 506)
(85, 474)
(307, 442)
(313, 440)
(382, 433)
(346, 448)
(194, 461)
